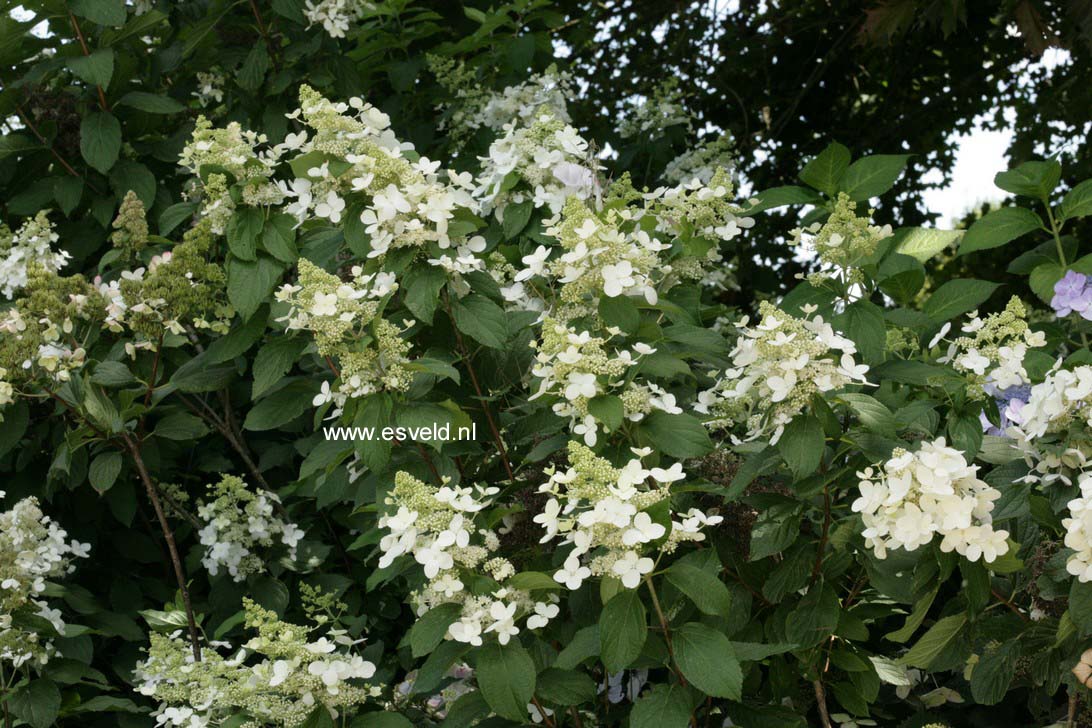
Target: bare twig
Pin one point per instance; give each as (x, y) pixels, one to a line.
(168, 535)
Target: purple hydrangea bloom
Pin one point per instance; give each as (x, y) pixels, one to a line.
(1072, 294)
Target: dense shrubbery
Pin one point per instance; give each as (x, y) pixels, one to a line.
(865, 502)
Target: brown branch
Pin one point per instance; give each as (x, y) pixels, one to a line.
(264, 30)
(542, 711)
(168, 535)
(665, 628)
(821, 702)
(43, 141)
(1008, 603)
(465, 356)
(818, 567)
(86, 52)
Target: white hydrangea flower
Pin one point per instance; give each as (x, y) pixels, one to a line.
(934, 490)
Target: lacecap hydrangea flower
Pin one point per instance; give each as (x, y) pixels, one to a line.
(278, 678)
(778, 365)
(614, 517)
(1055, 432)
(1078, 530)
(239, 525)
(436, 526)
(914, 496)
(33, 550)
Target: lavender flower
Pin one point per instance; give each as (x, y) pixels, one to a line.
(1010, 403)
(1073, 294)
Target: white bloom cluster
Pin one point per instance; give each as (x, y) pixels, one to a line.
(32, 549)
(278, 678)
(702, 162)
(239, 522)
(210, 87)
(576, 367)
(1078, 530)
(992, 352)
(916, 495)
(548, 92)
(52, 353)
(649, 116)
(703, 209)
(29, 244)
(335, 15)
(778, 365)
(355, 158)
(546, 162)
(842, 243)
(1055, 428)
(611, 515)
(436, 526)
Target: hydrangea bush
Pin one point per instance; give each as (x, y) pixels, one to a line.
(865, 502)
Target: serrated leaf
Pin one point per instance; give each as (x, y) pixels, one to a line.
(100, 140)
(872, 176)
(998, 228)
(506, 677)
(623, 629)
(826, 170)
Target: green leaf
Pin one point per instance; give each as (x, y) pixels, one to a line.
(197, 376)
(68, 191)
(104, 470)
(993, 674)
(708, 593)
(924, 243)
(933, 642)
(422, 290)
(802, 444)
(872, 176)
(1080, 606)
(273, 361)
(620, 311)
(281, 407)
(279, 238)
(386, 719)
(506, 677)
(998, 228)
(901, 277)
(128, 175)
(623, 629)
(826, 170)
(252, 73)
(565, 687)
(1077, 202)
(481, 319)
(96, 68)
(665, 706)
(243, 230)
(436, 666)
(318, 718)
(150, 103)
(250, 283)
(583, 646)
(175, 215)
(608, 409)
(706, 659)
(181, 426)
(516, 218)
(815, 617)
(957, 297)
(863, 322)
(237, 341)
(1032, 179)
(1043, 279)
(781, 196)
(100, 140)
(112, 374)
(430, 629)
(680, 436)
(873, 414)
(38, 702)
(103, 12)
(102, 410)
